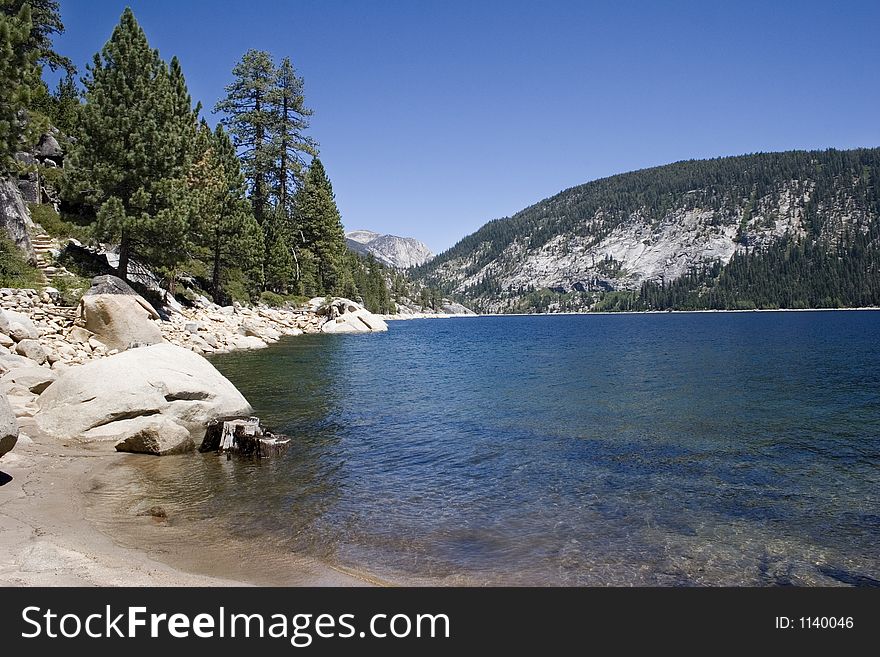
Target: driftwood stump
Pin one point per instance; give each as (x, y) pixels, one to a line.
(243, 436)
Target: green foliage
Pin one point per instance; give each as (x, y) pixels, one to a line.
(45, 18)
(289, 142)
(14, 268)
(318, 229)
(279, 266)
(71, 288)
(54, 225)
(136, 132)
(223, 229)
(247, 115)
(792, 273)
(18, 75)
(281, 300)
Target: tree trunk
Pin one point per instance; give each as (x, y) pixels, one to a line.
(259, 201)
(124, 248)
(282, 178)
(215, 277)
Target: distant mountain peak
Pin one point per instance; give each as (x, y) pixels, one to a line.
(399, 252)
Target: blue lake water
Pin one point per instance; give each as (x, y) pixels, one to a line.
(651, 449)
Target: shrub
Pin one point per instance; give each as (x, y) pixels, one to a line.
(14, 268)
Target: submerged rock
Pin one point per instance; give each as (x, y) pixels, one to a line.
(162, 379)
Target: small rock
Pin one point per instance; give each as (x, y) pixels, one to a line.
(79, 335)
(33, 350)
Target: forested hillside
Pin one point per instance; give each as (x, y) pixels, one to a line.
(795, 229)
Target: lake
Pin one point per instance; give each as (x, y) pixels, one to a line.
(639, 449)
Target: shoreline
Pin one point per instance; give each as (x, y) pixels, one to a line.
(645, 312)
(52, 533)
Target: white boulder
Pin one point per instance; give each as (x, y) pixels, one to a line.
(33, 350)
(34, 378)
(162, 379)
(119, 320)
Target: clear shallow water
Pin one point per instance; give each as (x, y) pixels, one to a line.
(661, 449)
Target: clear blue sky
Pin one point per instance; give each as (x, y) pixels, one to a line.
(437, 116)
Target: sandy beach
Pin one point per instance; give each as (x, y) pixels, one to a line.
(46, 538)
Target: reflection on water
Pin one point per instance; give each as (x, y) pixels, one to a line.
(639, 449)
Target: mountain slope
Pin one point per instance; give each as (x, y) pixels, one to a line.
(630, 235)
(400, 252)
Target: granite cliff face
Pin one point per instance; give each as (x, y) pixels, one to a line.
(398, 252)
(656, 225)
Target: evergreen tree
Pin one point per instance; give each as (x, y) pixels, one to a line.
(290, 120)
(319, 229)
(133, 148)
(18, 73)
(226, 234)
(45, 17)
(248, 116)
(279, 265)
(65, 104)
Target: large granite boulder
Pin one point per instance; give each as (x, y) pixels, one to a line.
(147, 434)
(15, 220)
(8, 426)
(13, 361)
(118, 316)
(162, 379)
(346, 316)
(359, 321)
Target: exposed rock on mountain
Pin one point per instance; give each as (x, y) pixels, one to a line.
(399, 252)
(710, 225)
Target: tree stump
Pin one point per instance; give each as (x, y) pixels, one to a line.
(243, 436)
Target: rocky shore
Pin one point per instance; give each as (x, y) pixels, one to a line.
(79, 385)
(116, 371)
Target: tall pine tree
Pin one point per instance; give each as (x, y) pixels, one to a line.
(227, 235)
(133, 149)
(290, 144)
(319, 230)
(18, 72)
(248, 116)
(45, 19)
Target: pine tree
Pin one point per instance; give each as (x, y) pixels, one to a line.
(319, 229)
(279, 265)
(18, 73)
(248, 117)
(133, 150)
(226, 233)
(290, 120)
(45, 17)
